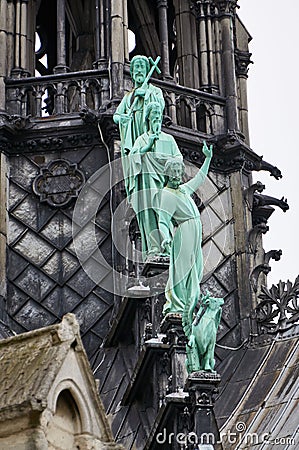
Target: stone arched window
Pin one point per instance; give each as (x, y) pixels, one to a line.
(65, 424)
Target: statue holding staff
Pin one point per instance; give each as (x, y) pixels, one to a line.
(146, 179)
(130, 114)
(178, 209)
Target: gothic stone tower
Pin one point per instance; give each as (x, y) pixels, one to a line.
(57, 133)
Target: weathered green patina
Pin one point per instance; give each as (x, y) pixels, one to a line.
(168, 218)
(178, 208)
(201, 332)
(146, 163)
(130, 114)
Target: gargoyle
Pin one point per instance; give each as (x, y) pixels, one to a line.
(265, 200)
(264, 165)
(262, 209)
(250, 191)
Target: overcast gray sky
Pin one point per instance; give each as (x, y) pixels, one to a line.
(273, 118)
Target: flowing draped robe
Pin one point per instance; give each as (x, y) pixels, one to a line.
(186, 262)
(145, 183)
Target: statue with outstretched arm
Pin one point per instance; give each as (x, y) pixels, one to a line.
(178, 209)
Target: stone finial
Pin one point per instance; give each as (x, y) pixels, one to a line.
(69, 328)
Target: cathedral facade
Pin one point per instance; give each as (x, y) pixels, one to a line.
(67, 246)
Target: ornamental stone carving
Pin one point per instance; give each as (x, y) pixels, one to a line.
(279, 307)
(58, 183)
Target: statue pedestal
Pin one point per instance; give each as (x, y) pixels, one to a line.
(155, 270)
(142, 304)
(155, 265)
(175, 337)
(202, 387)
(171, 326)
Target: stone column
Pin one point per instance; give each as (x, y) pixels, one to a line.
(3, 47)
(218, 58)
(17, 64)
(23, 34)
(207, 44)
(10, 25)
(20, 68)
(226, 10)
(243, 258)
(31, 29)
(242, 62)
(163, 31)
(97, 30)
(117, 47)
(125, 31)
(102, 30)
(101, 34)
(61, 39)
(203, 50)
(187, 45)
(211, 49)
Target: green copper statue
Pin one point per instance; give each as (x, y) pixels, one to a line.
(130, 114)
(146, 163)
(201, 332)
(178, 208)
